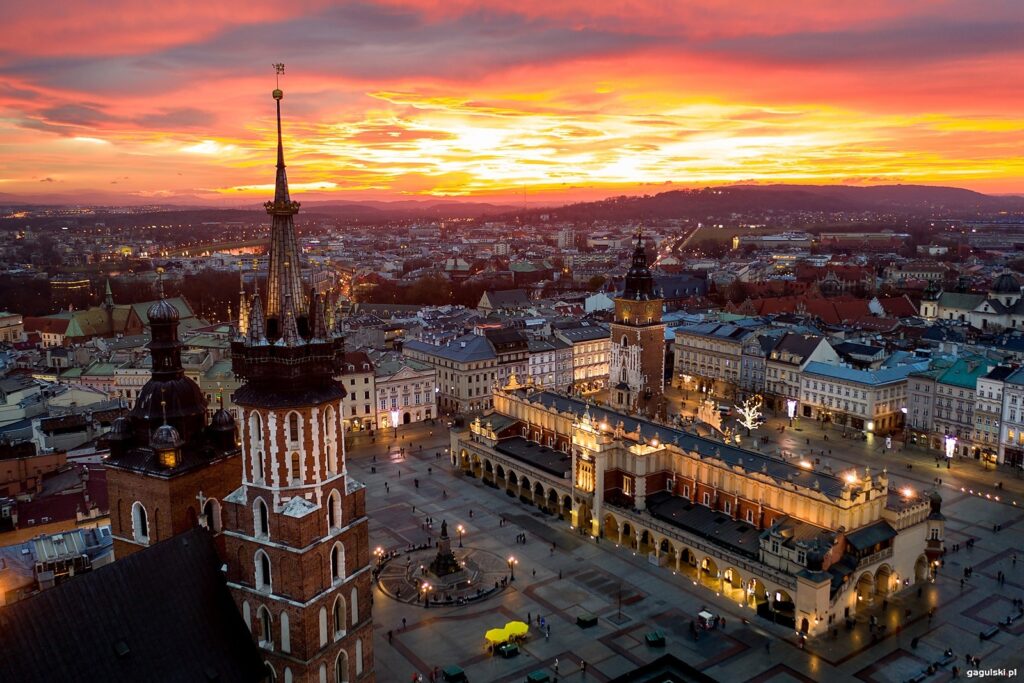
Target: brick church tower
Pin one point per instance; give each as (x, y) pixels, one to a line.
(636, 369)
(296, 530)
(168, 470)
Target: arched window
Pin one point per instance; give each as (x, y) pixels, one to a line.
(271, 674)
(334, 510)
(296, 470)
(323, 626)
(323, 673)
(331, 440)
(293, 427)
(341, 668)
(338, 617)
(624, 342)
(287, 675)
(355, 606)
(338, 562)
(140, 523)
(266, 634)
(359, 657)
(247, 614)
(255, 445)
(263, 577)
(211, 514)
(286, 636)
(261, 519)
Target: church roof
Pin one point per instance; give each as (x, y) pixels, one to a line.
(1006, 284)
(121, 623)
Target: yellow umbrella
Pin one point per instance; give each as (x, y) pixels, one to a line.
(516, 628)
(496, 635)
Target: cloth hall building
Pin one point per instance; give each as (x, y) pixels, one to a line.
(796, 545)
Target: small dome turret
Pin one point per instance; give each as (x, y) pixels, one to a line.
(120, 430)
(162, 312)
(165, 436)
(222, 421)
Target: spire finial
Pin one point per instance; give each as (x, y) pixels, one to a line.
(278, 70)
(163, 404)
(160, 283)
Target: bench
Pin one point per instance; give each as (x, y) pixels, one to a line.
(454, 674)
(586, 620)
(655, 639)
(990, 632)
(508, 650)
(538, 677)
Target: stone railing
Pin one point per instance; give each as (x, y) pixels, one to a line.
(876, 557)
(695, 542)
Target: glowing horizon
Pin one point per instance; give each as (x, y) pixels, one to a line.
(400, 99)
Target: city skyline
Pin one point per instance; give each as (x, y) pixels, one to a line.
(512, 102)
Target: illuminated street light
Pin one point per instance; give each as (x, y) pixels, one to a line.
(460, 529)
(512, 562)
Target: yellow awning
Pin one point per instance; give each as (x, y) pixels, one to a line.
(496, 635)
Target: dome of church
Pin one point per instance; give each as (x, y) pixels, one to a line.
(162, 312)
(165, 436)
(120, 429)
(1006, 284)
(222, 421)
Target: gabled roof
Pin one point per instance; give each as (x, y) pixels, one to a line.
(960, 300)
(161, 614)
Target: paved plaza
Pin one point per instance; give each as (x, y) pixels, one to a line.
(560, 575)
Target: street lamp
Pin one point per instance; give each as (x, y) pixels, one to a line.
(394, 421)
(460, 529)
(512, 562)
(791, 410)
(950, 442)
(426, 595)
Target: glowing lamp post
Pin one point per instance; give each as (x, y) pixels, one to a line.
(394, 421)
(460, 529)
(512, 562)
(791, 410)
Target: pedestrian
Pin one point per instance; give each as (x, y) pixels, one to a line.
(556, 665)
(403, 623)
(390, 636)
(583, 667)
(528, 619)
(559, 573)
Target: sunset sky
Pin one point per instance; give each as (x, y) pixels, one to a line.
(558, 99)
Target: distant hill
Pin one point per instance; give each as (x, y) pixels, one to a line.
(787, 198)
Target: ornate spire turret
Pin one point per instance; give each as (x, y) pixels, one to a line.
(257, 333)
(289, 327)
(243, 305)
(317, 317)
(639, 281)
(283, 279)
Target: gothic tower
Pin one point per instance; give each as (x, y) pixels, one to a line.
(296, 530)
(636, 378)
(168, 470)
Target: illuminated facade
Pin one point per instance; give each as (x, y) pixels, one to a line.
(799, 546)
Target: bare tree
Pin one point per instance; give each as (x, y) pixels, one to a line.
(750, 413)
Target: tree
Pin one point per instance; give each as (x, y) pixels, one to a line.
(750, 413)
(595, 283)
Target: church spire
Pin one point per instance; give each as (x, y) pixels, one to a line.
(639, 281)
(283, 280)
(243, 305)
(108, 297)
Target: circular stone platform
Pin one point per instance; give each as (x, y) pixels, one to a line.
(403, 577)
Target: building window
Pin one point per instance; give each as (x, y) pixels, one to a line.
(750, 516)
(775, 547)
(338, 615)
(728, 507)
(338, 562)
(140, 523)
(263, 578)
(355, 606)
(801, 557)
(706, 498)
(296, 469)
(334, 511)
(266, 636)
(293, 427)
(262, 519)
(286, 636)
(686, 491)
